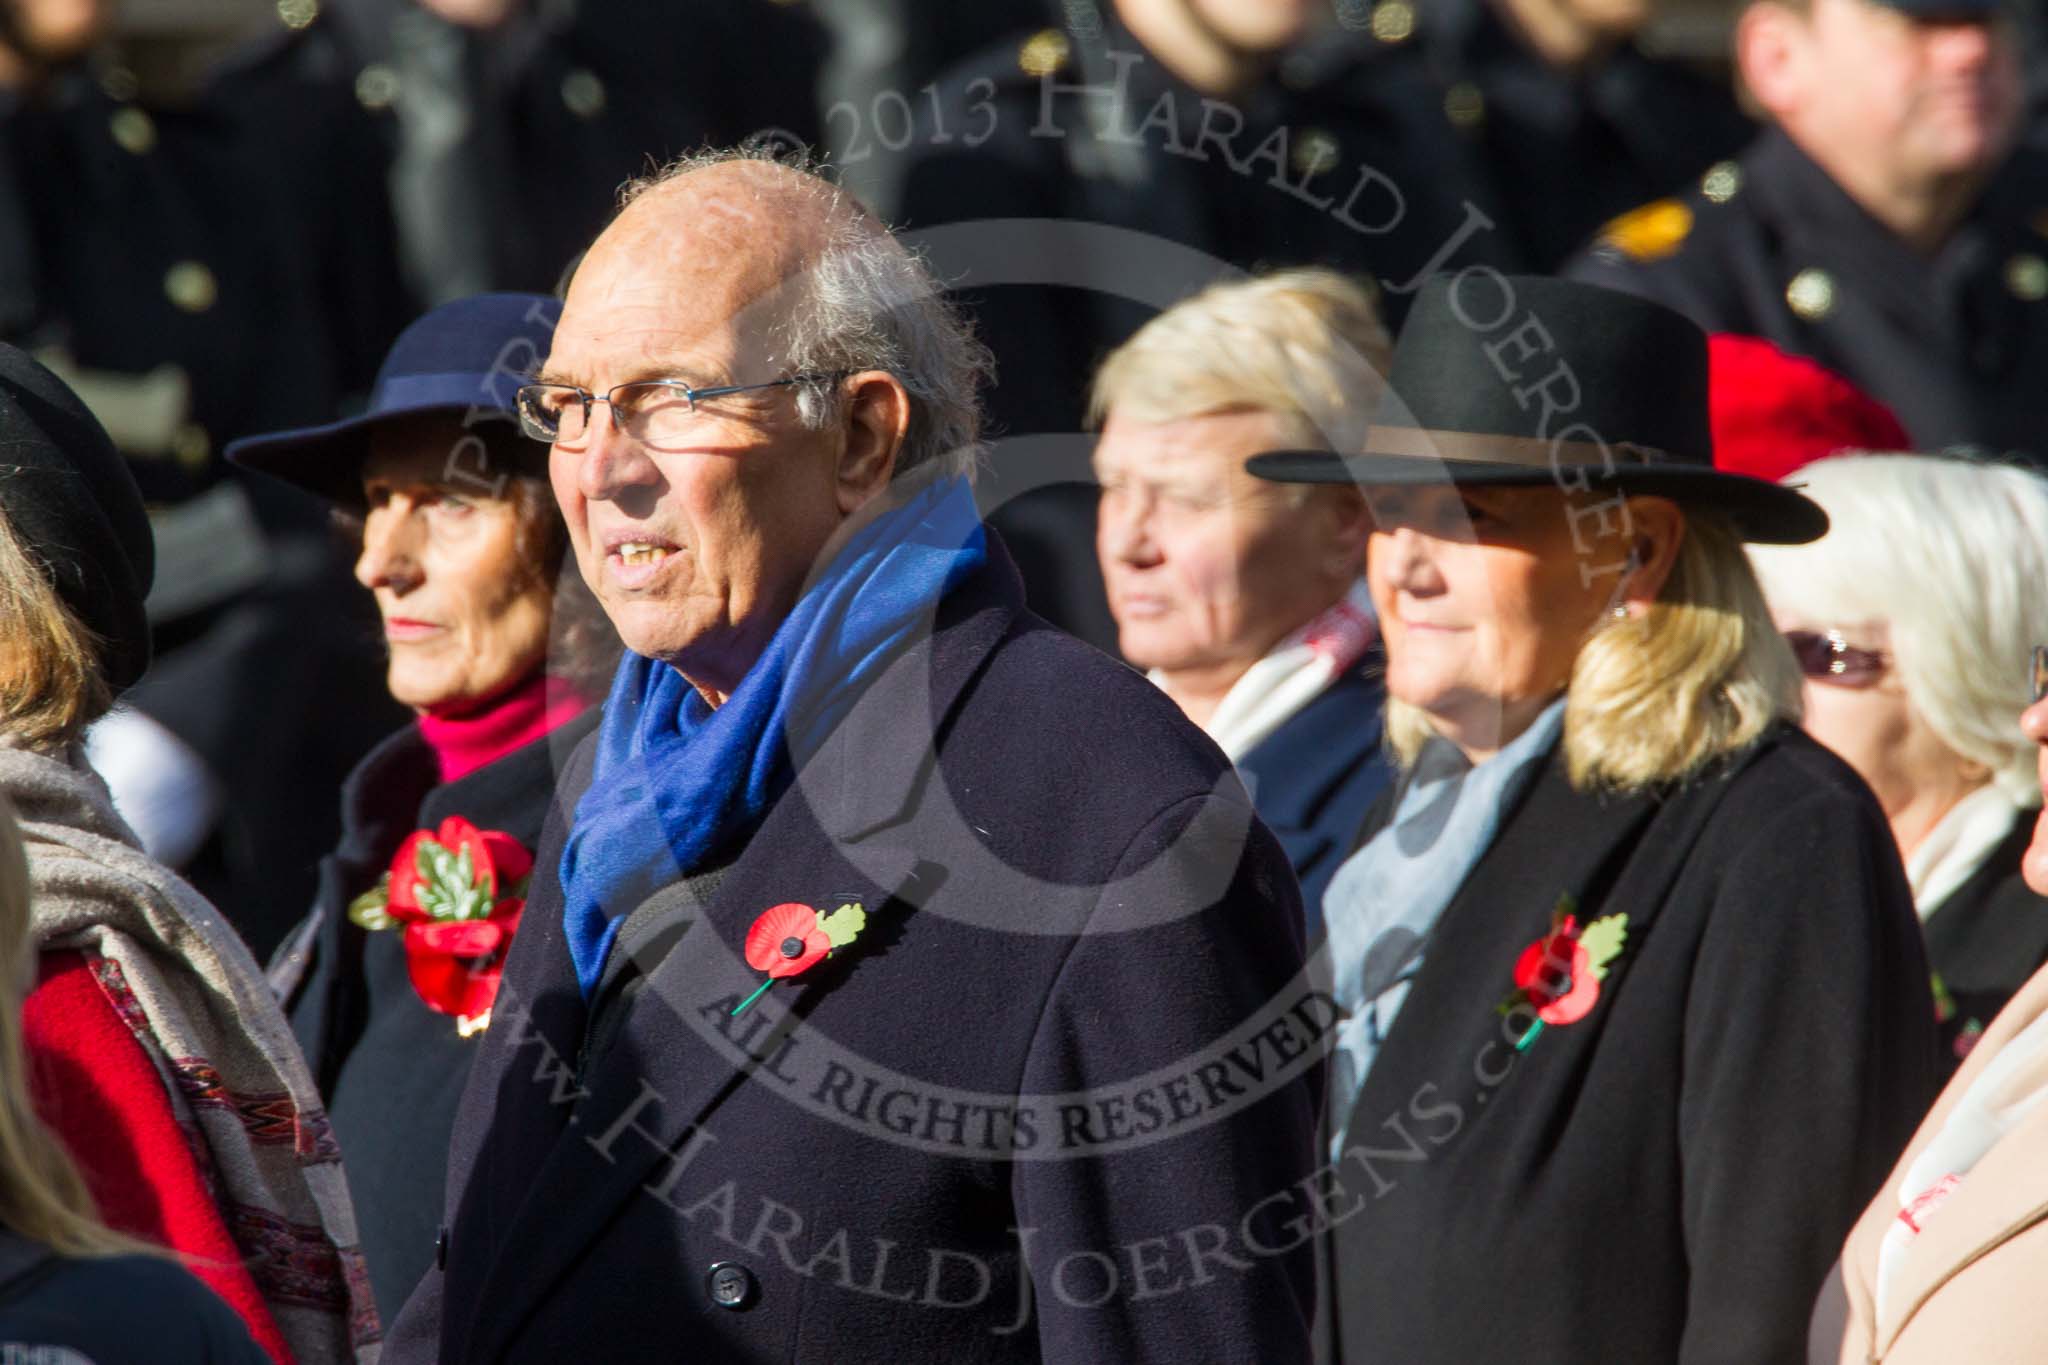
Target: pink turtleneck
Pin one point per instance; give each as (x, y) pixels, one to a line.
(463, 742)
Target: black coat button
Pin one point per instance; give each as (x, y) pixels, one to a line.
(441, 1249)
(731, 1285)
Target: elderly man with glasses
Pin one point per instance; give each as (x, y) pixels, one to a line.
(900, 979)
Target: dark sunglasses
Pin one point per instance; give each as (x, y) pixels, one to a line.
(1829, 658)
(2038, 679)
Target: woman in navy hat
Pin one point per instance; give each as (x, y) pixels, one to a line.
(391, 978)
(1637, 1014)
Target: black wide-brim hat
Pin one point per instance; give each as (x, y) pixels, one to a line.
(1523, 381)
(466, 358)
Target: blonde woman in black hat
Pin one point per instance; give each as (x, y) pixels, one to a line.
(1636, 1006)
(160, 1058)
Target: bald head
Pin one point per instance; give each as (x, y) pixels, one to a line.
(743, 236)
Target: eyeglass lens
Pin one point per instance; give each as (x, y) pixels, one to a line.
(1830, 659)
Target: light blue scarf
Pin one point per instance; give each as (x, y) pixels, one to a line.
(1387, 897)
(675, 778)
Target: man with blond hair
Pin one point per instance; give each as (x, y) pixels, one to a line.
(900, 980)
(1244, 598)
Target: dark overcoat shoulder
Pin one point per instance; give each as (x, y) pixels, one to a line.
(1021, 1118)
(1670, 1176)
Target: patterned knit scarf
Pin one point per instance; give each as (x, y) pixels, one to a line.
(199, 1006)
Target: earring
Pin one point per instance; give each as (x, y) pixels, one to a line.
(1620, 612)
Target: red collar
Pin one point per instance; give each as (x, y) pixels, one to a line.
(464, 742)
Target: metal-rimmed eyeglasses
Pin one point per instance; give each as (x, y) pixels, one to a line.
(651, 410)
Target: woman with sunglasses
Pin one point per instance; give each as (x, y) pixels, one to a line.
(1911, 620)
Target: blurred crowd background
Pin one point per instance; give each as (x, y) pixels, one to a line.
(216, 215)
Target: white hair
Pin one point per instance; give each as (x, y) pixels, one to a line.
(867, 302)
(1952, 555)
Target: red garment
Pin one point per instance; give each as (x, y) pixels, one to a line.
(98, 1090)
(463, 742)
(1773, 412)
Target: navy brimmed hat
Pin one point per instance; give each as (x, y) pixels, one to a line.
(74, 506)
(466, 358)
(1515, 380)
(1950, 9)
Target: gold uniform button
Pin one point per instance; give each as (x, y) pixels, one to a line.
(133, 130)
(1393, 21)
(119, 84)
(1044, 52)
(191, 286)
(190, 446)
(298, 13)
(2026, 275)
(376, 87)
(1464, 105)
(1722, 182)
(1315, 151)
(583, 93)
(1811, 294)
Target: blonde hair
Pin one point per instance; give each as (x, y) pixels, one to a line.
(1306, 345)
(51, 682)
(1951, 555)
(42, 1196)
(1656, 699)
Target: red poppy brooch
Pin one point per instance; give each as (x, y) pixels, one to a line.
(1559, 975)
(791, 938)
(457, 892)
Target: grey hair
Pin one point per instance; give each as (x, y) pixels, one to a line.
(867, 302)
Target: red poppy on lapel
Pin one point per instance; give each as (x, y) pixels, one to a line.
(1559, 975)
(458, 892)
(786, 940)
(791, 938)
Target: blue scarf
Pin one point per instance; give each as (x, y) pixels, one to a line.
(1385, 900)
(675, 777)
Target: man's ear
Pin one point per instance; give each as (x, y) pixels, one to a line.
(877, 419)
(1771, 44)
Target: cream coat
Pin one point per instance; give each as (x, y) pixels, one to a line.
(1975, 1285)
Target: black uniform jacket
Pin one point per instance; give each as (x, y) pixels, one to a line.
(390, 1068)
(1566, 150)
(1984, 940)
(1773, 247)
(1074, 925)
(1670, 1177)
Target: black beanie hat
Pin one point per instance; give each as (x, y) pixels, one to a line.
(74, 505)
